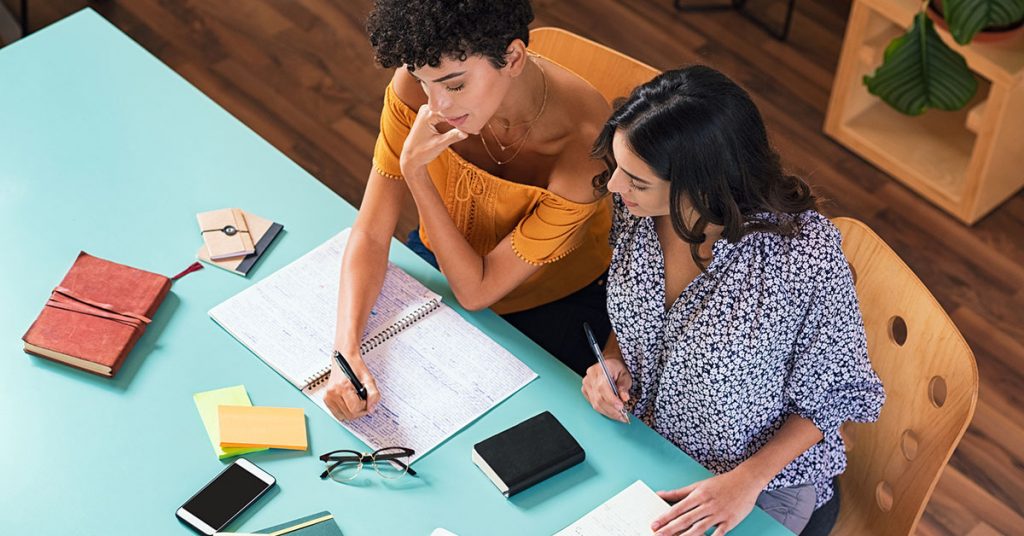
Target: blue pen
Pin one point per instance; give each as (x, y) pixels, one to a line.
(604, 367)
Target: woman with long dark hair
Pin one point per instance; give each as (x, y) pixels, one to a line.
(736, 330)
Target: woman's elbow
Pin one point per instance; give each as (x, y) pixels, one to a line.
(474, 300)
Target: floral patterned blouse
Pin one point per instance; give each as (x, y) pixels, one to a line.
(772, 328)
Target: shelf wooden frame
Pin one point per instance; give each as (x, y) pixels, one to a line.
(966, 162)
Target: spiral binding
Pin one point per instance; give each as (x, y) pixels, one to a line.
(319, 377)
(397, 327)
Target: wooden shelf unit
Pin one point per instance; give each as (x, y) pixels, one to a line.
(967, 162)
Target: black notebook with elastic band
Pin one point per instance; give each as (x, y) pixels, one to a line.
(527, 453)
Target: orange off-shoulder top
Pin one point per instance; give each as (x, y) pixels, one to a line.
(568, 240)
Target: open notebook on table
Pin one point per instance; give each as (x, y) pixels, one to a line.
(629, 513)
(436, 372)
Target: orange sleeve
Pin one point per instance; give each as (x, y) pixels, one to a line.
(552, 229)
(396, 119)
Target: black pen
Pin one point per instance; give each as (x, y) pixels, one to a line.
(600, 359)
(360, 390)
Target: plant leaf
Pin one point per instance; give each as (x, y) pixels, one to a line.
(968, 17)
(919, 71)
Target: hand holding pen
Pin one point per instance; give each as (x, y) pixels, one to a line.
(606, 385)
(351, 390)
(350, 374)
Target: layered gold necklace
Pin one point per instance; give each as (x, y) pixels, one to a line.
(516, 145)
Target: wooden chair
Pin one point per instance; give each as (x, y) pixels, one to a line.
(930, 377)
(613, 73)
(931, 384)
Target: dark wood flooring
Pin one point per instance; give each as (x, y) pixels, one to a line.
(299, 72)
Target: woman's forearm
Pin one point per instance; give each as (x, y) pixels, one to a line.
(362, 275)
(795, 436)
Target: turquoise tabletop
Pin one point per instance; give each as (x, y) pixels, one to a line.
(104, 149)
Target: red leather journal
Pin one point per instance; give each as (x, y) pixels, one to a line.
(96, 315)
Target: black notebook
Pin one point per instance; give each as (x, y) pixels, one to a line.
(527, 453)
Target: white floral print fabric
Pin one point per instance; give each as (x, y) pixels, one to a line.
(772, 328)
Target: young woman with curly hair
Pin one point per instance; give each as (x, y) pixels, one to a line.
(493, 144)
(737, 331)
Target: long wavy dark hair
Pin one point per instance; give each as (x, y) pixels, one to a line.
(701, 132)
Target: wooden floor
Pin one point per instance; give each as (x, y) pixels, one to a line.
(299, 73)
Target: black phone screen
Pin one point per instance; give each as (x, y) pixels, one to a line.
(225, 496)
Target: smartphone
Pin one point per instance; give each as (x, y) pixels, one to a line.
(226, 496)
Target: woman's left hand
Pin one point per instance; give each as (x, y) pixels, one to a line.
(425, 142)
(723, 500)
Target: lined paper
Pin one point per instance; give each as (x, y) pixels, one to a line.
(288, 318)
(628, 513)
(436, 376)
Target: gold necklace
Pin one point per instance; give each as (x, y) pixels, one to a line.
(514, 155)
(502, 146)
(521, 142)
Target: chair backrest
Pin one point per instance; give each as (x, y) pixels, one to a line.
(931, 385)
(613, 73)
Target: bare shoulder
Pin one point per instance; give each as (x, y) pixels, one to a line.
(584, 111)
(408, 89)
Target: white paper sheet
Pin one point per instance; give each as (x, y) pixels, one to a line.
(435, 377)
(288, 318)
(628, 513)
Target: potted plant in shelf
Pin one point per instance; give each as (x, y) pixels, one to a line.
(919, 71)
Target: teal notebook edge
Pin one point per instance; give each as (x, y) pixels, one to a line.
(328, 527)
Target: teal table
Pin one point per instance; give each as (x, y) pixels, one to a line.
(105, 149)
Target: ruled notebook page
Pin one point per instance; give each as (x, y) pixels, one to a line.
(628, 513)
(436, 377)
(288, 318)
(436, 372)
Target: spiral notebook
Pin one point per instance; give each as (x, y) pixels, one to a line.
(436, 372)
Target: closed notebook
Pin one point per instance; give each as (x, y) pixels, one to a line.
(322, 524)
(259, 426)
(225, 233)
(96, 315)
(527, 453)
(263, 232)
(207, 403)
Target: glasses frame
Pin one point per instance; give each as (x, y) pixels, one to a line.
(352, 456)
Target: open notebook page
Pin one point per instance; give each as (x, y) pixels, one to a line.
(288, 318)
(628, 513)
(435, 377)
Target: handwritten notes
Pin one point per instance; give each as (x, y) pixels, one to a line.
(628, 513)
(436, 371)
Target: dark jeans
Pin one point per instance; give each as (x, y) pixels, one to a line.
(557, 326)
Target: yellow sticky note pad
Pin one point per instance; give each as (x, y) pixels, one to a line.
(259, 426)
(207, 402)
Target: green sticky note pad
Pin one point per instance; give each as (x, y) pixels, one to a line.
(207, 403)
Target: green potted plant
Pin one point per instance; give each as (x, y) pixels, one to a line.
(919, 71)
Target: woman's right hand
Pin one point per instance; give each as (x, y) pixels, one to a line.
(600, 395)
(424, 142)
(341, 397)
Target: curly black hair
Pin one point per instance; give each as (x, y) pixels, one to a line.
(424, 32)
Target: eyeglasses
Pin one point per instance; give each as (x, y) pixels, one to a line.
(389, 462)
